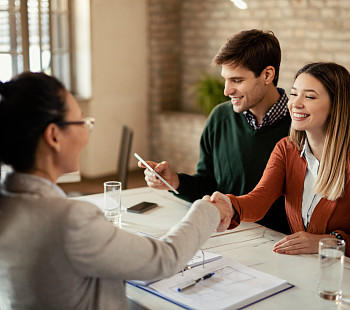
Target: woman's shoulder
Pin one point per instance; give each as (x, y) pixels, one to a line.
(288, 150)
(287, 145)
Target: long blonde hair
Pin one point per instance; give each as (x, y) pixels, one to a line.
(331, 175)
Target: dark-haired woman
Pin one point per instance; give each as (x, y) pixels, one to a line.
(57, 253)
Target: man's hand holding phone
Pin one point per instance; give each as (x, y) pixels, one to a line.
(164, 171)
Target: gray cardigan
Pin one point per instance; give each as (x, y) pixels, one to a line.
(57, 253)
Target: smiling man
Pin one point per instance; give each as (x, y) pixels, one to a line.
(240, 134)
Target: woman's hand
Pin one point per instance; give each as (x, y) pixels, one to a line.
(223, 203)
(299, 243)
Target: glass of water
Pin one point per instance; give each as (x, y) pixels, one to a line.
(112, 201)
(331, 265)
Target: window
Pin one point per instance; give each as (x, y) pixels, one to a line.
(36, 35)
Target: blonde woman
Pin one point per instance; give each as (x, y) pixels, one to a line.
(310, 167)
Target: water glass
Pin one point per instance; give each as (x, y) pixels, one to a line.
(331, 265)
(112, 201)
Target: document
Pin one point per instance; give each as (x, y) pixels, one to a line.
(198, 259)
(232, 286)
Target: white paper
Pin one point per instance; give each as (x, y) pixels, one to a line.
(233, 284)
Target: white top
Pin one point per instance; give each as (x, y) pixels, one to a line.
(310, 198)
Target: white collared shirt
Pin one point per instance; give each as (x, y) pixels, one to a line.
(275, 113)
(310, 198)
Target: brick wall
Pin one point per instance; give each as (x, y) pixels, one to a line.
(177, 139)
(185, 35)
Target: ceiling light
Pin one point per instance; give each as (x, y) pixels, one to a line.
(241, 4)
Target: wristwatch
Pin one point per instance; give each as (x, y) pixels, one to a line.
(337, 235)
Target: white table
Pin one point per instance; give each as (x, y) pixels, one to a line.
(250, 244)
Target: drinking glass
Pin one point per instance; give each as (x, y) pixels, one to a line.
(112, 201)
(331, 265)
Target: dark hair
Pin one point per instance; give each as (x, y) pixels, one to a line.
(29, 103)
(253, 49)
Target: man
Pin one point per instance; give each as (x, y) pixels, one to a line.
(240, 134)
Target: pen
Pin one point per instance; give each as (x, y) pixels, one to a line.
(194, 282)
(150, 169)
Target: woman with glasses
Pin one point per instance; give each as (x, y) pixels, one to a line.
(57, 253)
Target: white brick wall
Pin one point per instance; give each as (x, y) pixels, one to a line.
(183, 43)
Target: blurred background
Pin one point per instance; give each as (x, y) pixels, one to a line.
(140, 63)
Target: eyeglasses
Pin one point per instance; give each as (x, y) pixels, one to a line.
(88, 122)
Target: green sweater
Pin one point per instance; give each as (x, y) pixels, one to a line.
(233, 157)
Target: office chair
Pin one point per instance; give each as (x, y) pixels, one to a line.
(124, 156)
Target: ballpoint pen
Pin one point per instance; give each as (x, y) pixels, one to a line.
(194, 282)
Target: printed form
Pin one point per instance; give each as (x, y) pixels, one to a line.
(233, 284)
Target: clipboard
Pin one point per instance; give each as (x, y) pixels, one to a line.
(233, 285)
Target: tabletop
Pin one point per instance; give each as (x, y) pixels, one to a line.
(249, 243)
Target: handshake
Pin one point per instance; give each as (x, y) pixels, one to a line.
(224, 205)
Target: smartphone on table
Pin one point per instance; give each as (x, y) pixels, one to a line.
(142, 207)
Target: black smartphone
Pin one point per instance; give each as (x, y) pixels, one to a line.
(142, 207)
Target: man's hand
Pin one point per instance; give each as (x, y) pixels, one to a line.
(223, 203)
(299, 243)
(162, 169)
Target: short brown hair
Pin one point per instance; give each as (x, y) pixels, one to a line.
(254, 49)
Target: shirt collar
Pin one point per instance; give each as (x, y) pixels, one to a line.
(306, 151)
(19, 182)
(55, 187)
(312, 162)
(276, 112)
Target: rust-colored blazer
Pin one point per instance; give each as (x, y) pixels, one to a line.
(285, 175)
